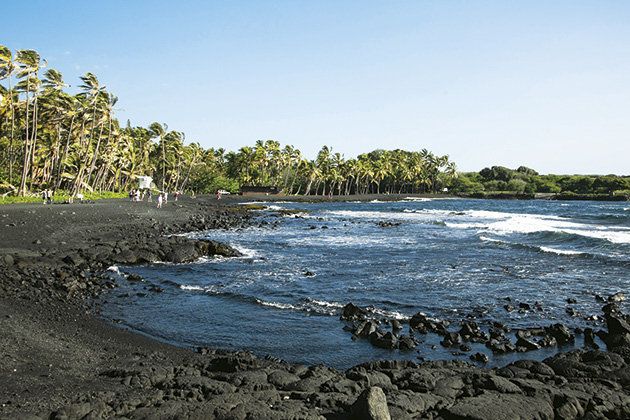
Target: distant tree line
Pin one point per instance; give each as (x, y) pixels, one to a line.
(380, 171)
(50, 138)
(525, 180)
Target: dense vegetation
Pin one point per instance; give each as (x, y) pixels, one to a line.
(527, 181)
(72, 142)
(50, 138)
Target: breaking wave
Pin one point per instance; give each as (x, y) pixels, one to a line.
(509, 223)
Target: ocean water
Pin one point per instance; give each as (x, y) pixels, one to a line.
(447, 258)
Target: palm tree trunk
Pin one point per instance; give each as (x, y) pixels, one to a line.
(62, 160)
(11, 141)
(95, 155)
(163, 164)
(34, 142)
(22, 189)
(308, 186)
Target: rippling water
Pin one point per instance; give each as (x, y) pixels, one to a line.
(446, 258)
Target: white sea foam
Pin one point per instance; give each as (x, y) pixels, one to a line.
(388, 314)
(406, 214)
(560, 251)
(616, 237)
(433, 212)
(326, 304)
(500, 223)
(488, 214)
(345, 241)
(417, 199)
(541, 248)
(486, 239)
(508, 223)
(247, 252)
(311, 306)
(193, 288)
(114, 269)
(277, 305)
(326, 308)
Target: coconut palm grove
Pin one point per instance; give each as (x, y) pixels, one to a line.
(73, 143)
(50, 138)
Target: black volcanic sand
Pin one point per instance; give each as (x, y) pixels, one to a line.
(59, 360)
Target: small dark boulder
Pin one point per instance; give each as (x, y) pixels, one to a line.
(211, 248)
(423, 324)
(528, 345)
(571, 312)
(384, 341)
(500, 346)
(589, 338)
(451, 340)
(155, 289)
(617, 325)
(396, 325)
(366, 328)
(479, 357)
(134, 277)
(470, 331)
(610, 308)
(561, 333)
(405, 342)
(352, 312)
(547, 341)
(385, 224)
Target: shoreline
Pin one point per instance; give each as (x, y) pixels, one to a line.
(79, 364)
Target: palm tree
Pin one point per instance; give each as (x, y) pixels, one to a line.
(76, 141)
(29, 63)
(7, 68)
(159, 131)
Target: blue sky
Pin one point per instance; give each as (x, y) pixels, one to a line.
(543, 84)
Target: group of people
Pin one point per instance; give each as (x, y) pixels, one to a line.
(47, 196)
(137, 195)
(162, 199)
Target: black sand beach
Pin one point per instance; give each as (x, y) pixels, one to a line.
(59, 360)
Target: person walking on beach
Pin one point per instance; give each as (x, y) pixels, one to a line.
(218, 194)
(160, 199)
(149, 196)
(165, 198)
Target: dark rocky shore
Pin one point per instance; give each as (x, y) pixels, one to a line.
(60, 361)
